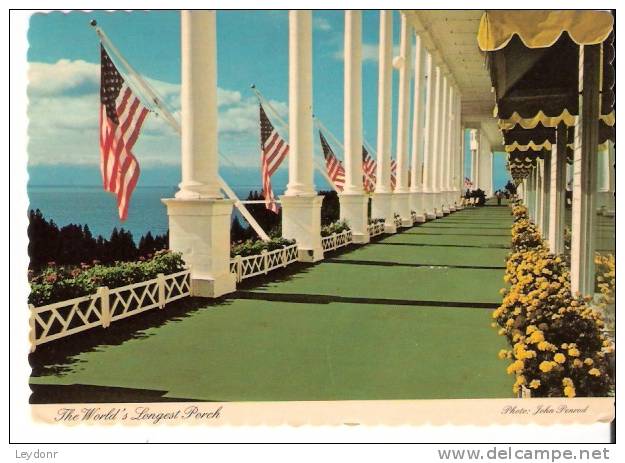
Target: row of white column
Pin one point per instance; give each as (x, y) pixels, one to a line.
(481, 162)
(199, 216)
(435, 152)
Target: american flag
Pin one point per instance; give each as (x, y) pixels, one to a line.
(468, 183)
(335, 169)
(368, 168)
(273, 151)
(393, 173)
(121, 116)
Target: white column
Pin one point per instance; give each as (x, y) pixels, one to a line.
(416, 179)
(428, 146)
(448, 165)
(585, 174)
(382, 203)
(475, 152)
(540, 171)
(199, 217)
(353, 200)
(301, 206)
(436, 145)
(546, 193)
(401, 196)
(199, 158)
(440, 146)
(558, 189)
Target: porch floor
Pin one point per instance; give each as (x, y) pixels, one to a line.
(405, 317)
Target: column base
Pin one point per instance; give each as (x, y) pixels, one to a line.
(382, 207)
(301, 221)
(401, 205)
(200, 230)
(416, 204)
(213, 287)
(354, 212)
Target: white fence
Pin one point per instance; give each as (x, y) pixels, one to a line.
(64, 318)
(263, 263)
(336, 240)
(375, 229)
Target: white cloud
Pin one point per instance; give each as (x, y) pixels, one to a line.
(370, 53)
(63, 118)
(322, 24)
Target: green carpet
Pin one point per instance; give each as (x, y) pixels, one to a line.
(406, 317)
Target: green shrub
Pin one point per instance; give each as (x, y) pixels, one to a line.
(253, 247)
(58, 283)
(335, 227)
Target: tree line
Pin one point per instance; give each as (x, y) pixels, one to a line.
(75, 244)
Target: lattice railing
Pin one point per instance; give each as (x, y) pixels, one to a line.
(64, 318)
(375, 229)
(336, 240)
(263, 263)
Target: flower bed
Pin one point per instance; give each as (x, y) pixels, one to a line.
(558, 347)
(375, 227)
(255, 247)
(335, 227)
(58, 283)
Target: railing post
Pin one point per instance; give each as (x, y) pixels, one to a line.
(265, 255)
(160, 281)
(284, 256)
(238, 267)
(334, 241)
(103, 294)
(32, 335)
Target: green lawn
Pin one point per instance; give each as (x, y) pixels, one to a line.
(406, 317)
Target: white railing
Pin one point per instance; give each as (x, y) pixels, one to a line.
(263, 263)
(64, 318)
(336, 240)
(375, 229)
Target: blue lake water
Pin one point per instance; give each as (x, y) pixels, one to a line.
(92, 206)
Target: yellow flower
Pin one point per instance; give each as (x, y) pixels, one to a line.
(503, 353)
(559, 358)
(577, 363)
(588, 361)
(594, 372)
(535, 384)
(515, 366)
(573, 352)
(569, 391)
(544, 345)
(530, 329)
(536, 337)
(546, 366)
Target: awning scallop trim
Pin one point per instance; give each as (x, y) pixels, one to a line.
(531, 146)
(549, 121)
(542, 28)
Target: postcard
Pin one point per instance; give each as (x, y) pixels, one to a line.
(271, 217)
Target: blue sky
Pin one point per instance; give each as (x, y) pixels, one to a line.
(252, 48)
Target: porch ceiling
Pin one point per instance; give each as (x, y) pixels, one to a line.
(451, 35)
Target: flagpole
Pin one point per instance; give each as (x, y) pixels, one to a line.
(135, 75)
(173, 122)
